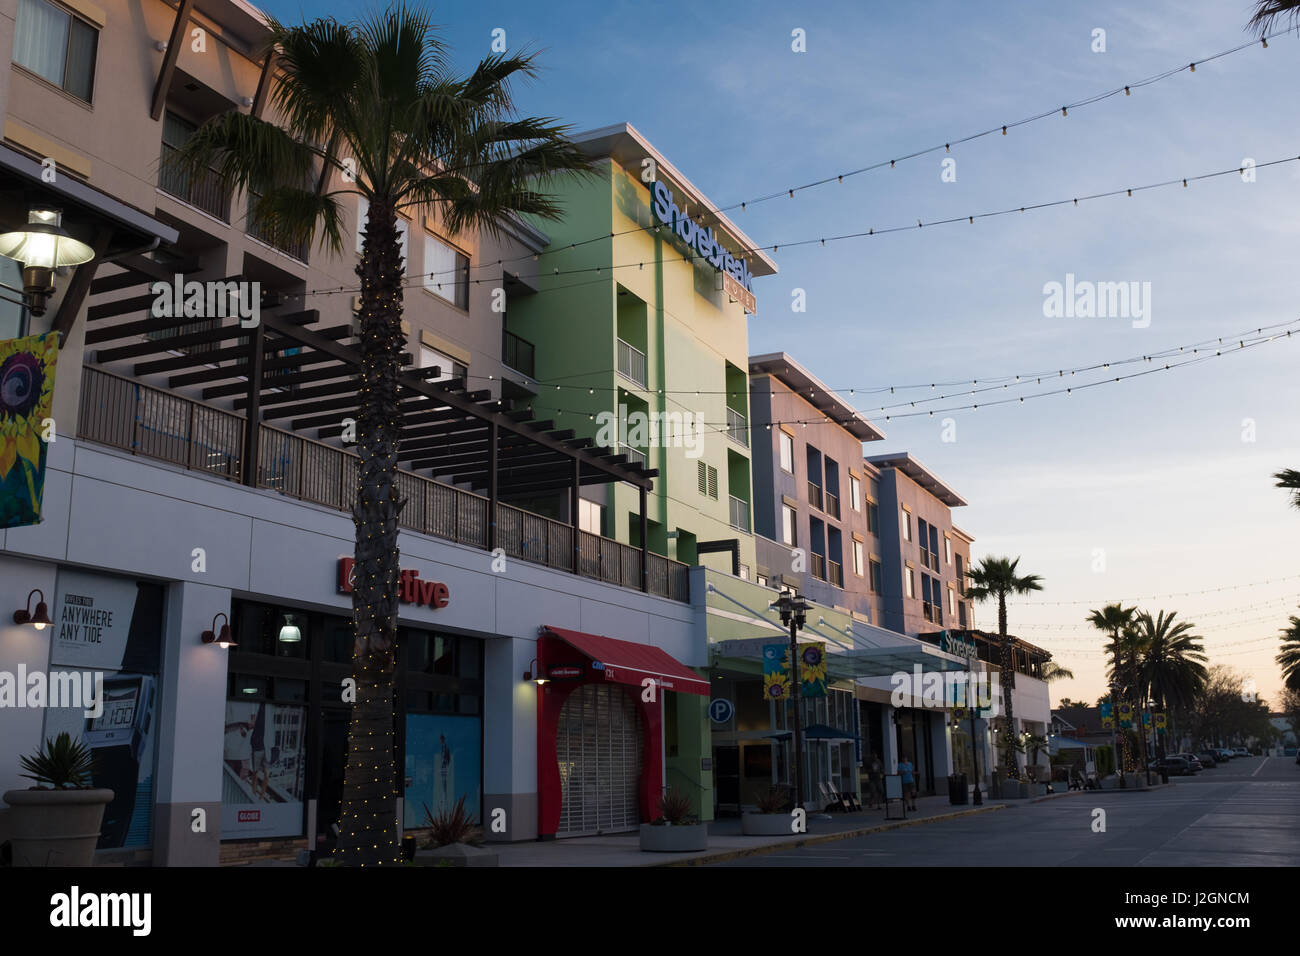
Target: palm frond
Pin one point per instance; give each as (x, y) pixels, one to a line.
(1268, 12)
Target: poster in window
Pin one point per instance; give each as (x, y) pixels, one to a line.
(444, 762)
(26, 398)
(262, 770)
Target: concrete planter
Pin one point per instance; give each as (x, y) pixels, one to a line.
(1035, 789)
(55, 827)
(456, 854)
(683, 838)
(766, 824)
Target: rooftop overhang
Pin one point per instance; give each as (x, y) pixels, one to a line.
(239, 20)
(847, 665)
(811, 389)
(919, 473)
(964, 535)
(623, 143)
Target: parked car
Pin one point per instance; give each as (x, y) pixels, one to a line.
(1177, 766)
(1226, 754)
(1208, 758)
(1241, 752)
(1290, 752)
(1191, 759)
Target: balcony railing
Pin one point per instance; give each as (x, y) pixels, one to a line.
(634, 455)
(631, 363)
(739, 513)
(815, 495)
(257, 230)
(832, 505)
(154, 423)
(203, 191)
(737, 427)
(836, 576)
(818, 566)
(517, 353)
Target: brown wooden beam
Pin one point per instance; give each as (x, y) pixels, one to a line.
(168, 69)
(264, 84)
(79, 286)
(174, 343)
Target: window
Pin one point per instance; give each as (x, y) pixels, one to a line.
(947, 550)
(907, 525)
(952, 601)
(857, 558)
(707, 478)
(788, 534)
(787, 453)
(761, 580)
(56, 46)
(447, 366)
(910, 581)
(961, 613)
(446, 272)
(591, 516)
(934, 549)
(855, 493)
(877, 576)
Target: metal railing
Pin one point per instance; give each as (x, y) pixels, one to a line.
(815, 495)
(818, 566)
(203, 191)
(737, 427)
(739, 513)
(157, 424)
(257, 230)
(634, 455)
(836, 576)
(518, 353)
(832, 505)
(631, 363)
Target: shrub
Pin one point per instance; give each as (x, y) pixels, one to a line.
(675, 808)
(62, 763)
(774, 801)
(452, 826)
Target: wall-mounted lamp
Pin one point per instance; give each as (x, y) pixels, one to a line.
(246, 101)
(534, 673)
(40, 618)
(160, 46)
(222, 638)
(42, 247)
(289, 632)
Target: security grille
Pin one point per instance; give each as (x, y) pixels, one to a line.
(598, 745)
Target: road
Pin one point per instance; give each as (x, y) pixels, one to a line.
(1243, 813)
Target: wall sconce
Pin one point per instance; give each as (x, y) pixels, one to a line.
(534, 673)
(40, 619)
(289, 632)
(41, 248)
(222, 638)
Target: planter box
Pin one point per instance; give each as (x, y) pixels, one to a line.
(456, 854)
(766, 824)
(686, 838)
(55, 827)
(1036, 789)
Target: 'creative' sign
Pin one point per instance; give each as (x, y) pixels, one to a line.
(410, 589)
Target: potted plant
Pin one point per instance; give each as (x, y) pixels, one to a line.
(455, 839)
(772, 817)
(676, 830)
(56, 822)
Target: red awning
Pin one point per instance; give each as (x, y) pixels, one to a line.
(630, 663)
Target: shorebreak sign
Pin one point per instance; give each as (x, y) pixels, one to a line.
(705, 243)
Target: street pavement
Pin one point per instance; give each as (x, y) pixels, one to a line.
(1243, 813)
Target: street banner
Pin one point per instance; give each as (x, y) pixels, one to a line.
(812, 667)
(26, 400)
(1161, 722)
(776, 671)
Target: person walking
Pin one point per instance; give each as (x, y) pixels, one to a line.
(875, 781)
(908, 772)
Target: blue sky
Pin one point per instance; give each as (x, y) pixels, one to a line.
(1154, 472)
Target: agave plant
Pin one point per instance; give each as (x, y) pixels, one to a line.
(774, 801)
(456, 825)
(675, 808)
(61, 764)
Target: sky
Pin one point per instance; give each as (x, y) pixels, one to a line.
(1155, 490)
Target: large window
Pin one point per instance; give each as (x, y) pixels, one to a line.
(857, 557)
(446, 272)
(590, 516)
(909, 579)
(906, 517)
(787, 453)
(855, 493)
(877, 577)
(788, 533)
(57, 46)
(448, 367)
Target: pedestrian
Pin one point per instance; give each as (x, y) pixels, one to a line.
(875, 781)
(908, 773)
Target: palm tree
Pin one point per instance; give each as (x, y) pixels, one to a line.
(997, 578)
(1289, 478)
(1114, 620)
(372, 109)
(1172, 669)
(1053, 671)
(1289, 657)
(1267, 12)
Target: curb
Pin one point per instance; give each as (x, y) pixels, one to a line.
(726, 855)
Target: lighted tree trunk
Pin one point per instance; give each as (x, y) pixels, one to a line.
(1008, 673)
(368, 820)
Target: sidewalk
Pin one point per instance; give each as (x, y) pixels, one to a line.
(726, 841)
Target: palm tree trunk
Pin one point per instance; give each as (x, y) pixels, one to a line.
(1008, 675)
(368, 819)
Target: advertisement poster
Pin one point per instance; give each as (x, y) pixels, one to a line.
(262, 769)
(111, 627)
(26, 398)
(444, 762)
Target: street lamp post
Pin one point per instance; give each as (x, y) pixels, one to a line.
(977, 799)
(794, 612)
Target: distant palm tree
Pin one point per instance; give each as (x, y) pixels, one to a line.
(373, 109)
(1267, 12)
(1173, 661)
(1289, 478)
(1054, 671)
(1115, 620)
(1289, 657)
(996, 578)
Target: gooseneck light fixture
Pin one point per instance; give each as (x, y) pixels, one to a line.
(40, 618)
(534, 673)
(41, 247)
(223, 637)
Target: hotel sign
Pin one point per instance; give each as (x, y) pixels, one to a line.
(958, 647)
(705, 244)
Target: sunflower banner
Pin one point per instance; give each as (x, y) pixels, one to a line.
(26, 400)
(812, 668)
(776, 671)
